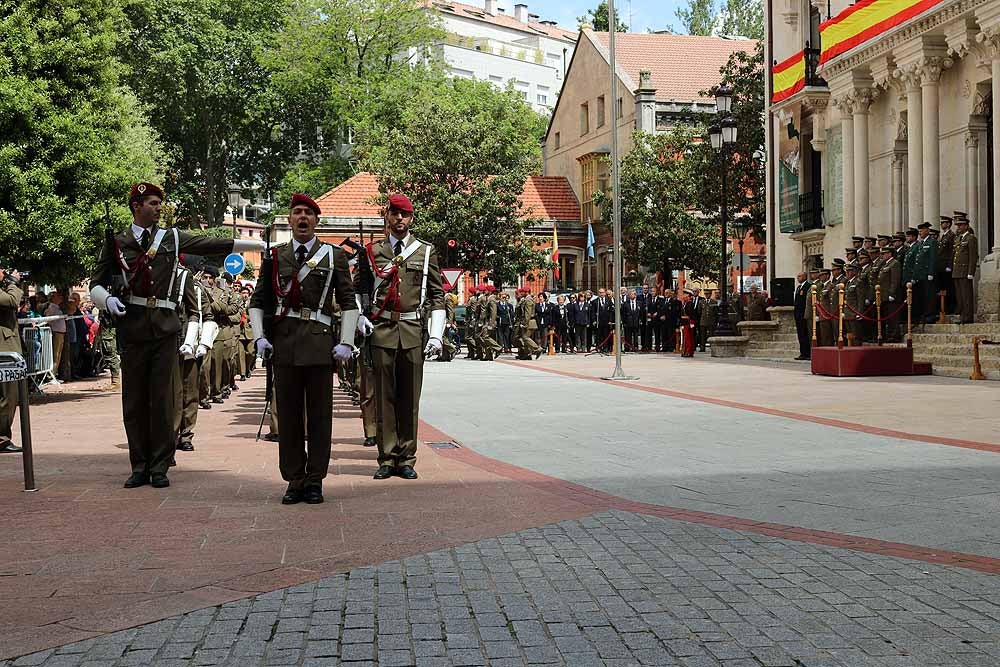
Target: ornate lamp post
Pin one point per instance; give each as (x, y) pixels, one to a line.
(722, 135)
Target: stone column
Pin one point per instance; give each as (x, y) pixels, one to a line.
(988, 292)
(910, 78)
(930, 75)
(972, 179)
(846, 106)
(996, 145)
(898, 191)
(863, 98)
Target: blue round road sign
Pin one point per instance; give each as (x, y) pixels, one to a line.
(234, 264)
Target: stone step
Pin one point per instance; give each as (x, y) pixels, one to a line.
(962, 350)
(944, 338)
(956, 361)
(964, 372)
(771, 345)
(772, 354)
(978, 329)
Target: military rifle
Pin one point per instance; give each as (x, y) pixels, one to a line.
(269, 306)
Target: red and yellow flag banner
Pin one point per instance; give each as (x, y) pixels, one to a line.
(864, 20)
(788, 77)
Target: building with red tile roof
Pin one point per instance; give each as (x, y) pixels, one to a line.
(659, 77)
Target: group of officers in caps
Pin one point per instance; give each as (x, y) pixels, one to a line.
(933, 262)
(481, 323)
(184, 337)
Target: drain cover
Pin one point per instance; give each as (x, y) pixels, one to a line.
(442, 445)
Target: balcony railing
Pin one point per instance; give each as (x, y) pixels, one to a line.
(812, 63)
(811, 210)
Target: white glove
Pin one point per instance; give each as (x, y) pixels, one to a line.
(365, 327)
(971, 277)
(892, 298)
(343, 352)
(433, 347)
(115, 306)
(186, 351)
(948, 269)
(930, 277)
(263, 345)
(201, 351)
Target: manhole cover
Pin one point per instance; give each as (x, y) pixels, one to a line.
(442, 445)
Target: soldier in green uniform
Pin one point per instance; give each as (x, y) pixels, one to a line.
(311, 276)
(907, 255)
(10, 341)
(109, 348)
(195, 314)
(867, 277)
(524, 315)
(824, 288)
(209, 334)
(488, 320)
(889, 283)
(924, 275)
(946, 253)
(223, 309)
(471, 325)
(246, 354)
(146, 258)
(232, 350)
(853, 304)
(406, 275)
(965, 261)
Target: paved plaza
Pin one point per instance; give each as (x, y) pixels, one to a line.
(709, 513)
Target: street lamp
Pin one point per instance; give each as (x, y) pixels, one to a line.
(722, 136)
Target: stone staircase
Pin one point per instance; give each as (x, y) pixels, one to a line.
(774, 339)
(948, 348)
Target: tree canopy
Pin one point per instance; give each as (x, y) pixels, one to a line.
(697, 17)
(599, 19)
(462, 152)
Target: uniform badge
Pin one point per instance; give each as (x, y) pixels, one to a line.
(312, 263)
(141, 188)
(398, 260)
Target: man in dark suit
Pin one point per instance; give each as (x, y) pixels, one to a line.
(643, 298)
(603, 315)
(632, 321)
(543, 330)
(579, 313)
(559, 318)
(802, 288)
(672, 308)
(505, 320)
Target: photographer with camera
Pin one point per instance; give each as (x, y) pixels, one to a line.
(10, 341)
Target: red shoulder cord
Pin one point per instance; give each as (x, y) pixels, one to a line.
(139, 268)
(292, 297)
(392, 297)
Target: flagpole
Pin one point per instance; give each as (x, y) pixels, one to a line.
(616, 212)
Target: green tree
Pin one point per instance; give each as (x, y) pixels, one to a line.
(600, 21)
(72, 138)
(743, 18)
(660, 227)
(199, 66)
(462, 152)
(698, 17)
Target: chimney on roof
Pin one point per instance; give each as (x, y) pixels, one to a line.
(491, 7)
(521, 12)
(645, 103)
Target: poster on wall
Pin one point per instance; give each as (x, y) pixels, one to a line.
(788, 172)
(833, 193)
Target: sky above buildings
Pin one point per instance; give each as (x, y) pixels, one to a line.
(645, 14)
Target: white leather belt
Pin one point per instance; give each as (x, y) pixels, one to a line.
(396, 317)
(314, 315)
(151, 302)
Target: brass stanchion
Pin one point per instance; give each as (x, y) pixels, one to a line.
(840, 320)
(941, 317)
(815, 315)
(552, 347)
(977, 367)
(878, 313)
(909, 314)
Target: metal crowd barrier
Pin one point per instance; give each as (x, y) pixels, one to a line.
(14, 369)
(36, 342)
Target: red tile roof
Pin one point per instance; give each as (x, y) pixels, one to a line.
(681, 65)
(350, 198)
(548, 197)
(503, 20)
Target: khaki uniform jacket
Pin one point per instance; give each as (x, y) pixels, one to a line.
(525, 312)
(405, 334)
(927, 258)
(223, 309)
(187, 303)
(299, 342)
(10, 298)
(889, 281)
(965, 259)
(868, 276)
(853, 297)
(489, 313)
(140, 323)
(756, 307)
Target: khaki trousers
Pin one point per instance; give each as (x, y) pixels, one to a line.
(58, 342)
(188, 407)
(308, 388)
(369, 417)
(8, 406)
(150, 375)
(965, 299)
(399, 376)
(218, 369)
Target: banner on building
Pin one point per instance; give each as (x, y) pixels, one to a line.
(788, 171)
(788, 77)
(865, 20)
(833, 188)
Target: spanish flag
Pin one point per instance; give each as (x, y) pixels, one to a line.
(555, 250)
(788, 77)
(864, 20)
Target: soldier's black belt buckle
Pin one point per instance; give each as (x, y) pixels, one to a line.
(151, 302)
(306, 314)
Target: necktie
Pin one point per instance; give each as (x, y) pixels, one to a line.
(399, 248)
(144, 239)
(300, 254)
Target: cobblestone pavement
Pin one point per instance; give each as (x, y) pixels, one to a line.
(613, 588)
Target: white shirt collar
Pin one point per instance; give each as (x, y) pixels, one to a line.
(393, 240)
(308, 244)
(137, 231)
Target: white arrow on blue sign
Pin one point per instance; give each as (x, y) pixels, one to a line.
(234, 264)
